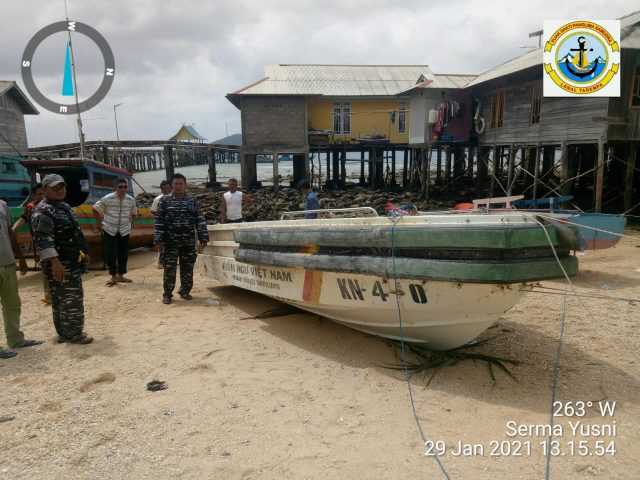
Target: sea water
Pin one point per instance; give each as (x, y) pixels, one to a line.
(150, 181)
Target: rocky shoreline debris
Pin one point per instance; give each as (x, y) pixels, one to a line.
(268, 205)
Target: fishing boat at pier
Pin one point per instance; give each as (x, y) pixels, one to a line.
(14, 180)
(447, 278)
(87, 182)
(597, 230)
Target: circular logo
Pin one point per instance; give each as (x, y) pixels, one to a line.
(581, 57)
(107, 79)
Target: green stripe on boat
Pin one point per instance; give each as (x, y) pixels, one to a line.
(476, 237)
(513, 271)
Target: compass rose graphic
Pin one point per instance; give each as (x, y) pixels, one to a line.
(68, 87)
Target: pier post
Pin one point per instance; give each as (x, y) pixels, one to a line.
(211, 158)
(447, 168)
(548, 155)
(405, 166)
(336, 167)
(482, 155)
(393, 167)
(276, 177)
(168, 162)
(494, 159)
(300, 168)
(536, 170)
(510, 167)
(328, 174)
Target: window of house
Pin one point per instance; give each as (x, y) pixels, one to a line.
(402, 116)
(634, 101)
(341, 118)
(497, 107)
(536, 101)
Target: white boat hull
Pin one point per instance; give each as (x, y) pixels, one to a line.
(443, 315)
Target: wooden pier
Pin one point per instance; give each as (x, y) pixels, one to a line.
(146, 155)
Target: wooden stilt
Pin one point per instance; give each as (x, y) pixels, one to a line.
(536, 171)
(628, 177)
(599, 176)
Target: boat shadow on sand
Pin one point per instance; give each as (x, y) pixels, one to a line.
(583, 375)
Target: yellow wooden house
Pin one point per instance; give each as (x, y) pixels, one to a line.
(296, 109)
(350, 102)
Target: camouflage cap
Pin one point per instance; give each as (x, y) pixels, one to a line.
(52, 180)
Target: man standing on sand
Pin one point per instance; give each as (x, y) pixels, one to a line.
(37, 193)
(9, 297)
(311, 198)
(165, 188)
(231, 204)
(63, 255)
(177, 217)
(115, 213)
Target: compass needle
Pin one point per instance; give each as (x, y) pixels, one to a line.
(67, 81)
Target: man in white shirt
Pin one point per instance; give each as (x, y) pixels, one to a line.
(165, 188)
(231, 205)
(115, 213)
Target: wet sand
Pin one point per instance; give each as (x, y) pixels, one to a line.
(301, 397)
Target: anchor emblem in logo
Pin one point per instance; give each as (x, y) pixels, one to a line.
(581, 58)
(581, 67)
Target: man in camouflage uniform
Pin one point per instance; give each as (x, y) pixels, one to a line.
(177, 216)
(63, 254)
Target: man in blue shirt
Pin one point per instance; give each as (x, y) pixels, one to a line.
(311, 198)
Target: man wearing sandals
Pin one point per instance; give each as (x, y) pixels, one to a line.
(178, 218)
(9, 297)
(63, 254)
(115, 213)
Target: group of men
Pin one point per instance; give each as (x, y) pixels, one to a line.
(63, 251)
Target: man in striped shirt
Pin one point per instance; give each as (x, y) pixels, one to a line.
(115, 213)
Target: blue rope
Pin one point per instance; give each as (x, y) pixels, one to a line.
(404, 357)
(556, 368)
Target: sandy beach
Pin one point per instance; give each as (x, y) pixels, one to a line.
(301, 397)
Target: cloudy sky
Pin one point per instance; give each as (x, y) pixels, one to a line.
(177, 59)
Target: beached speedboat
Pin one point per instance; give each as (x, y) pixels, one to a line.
(87, 182)
(449, 277)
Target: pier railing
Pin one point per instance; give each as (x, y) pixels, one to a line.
(145, 155)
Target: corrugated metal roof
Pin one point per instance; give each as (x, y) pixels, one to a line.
(630, 30)
(27, 107)
(445, 80)
(529, 59)
(337, 80)
(629, 38)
